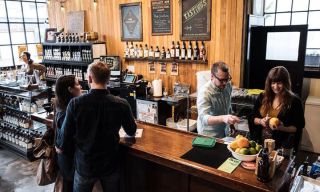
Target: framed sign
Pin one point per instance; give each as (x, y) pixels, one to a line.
(195, 20)
(161, 17)
(131, 22)
(49, 35)
(75, 22)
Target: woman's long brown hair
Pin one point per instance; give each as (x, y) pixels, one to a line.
(277, 74)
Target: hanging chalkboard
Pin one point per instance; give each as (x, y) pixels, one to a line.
(161, 17)
(195, 20)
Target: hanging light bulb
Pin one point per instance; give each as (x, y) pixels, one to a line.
(61, 7)
(95, 2)
(48, 1)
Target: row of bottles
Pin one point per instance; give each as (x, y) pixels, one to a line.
(17, 103)
(18, 136)
(175, 52)
(56, 72)
(17, 118)
(68, 38)
(68, 55)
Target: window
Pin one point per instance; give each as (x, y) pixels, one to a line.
(298, 12)
(22, 24)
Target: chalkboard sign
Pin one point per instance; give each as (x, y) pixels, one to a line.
(161, 17)
(195, 20)
(75, 22)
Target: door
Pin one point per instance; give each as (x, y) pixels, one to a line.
(274, 46)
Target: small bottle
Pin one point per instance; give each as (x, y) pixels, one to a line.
(315, 169)
(189, 51)
(183, 50)
(202, 55)
(177, 50)
(140, 52)
(136, 50)
(157, 53)
(263, 166)
(146, 51)
(168, 55)
(196, 52)
(126, 50)
(172, 50)
(163, 53)
(151, 52)
(131, 50)
(305, 167)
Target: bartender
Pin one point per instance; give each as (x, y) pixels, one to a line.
(214, 103)
(30, 66)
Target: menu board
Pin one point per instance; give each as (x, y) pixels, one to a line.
(195, 20)
(161, 17)
(75, 22)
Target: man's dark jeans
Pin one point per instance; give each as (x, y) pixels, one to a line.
(110, 183)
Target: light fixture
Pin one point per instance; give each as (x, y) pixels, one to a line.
(48, 1)
(95, 2)
(61, 7)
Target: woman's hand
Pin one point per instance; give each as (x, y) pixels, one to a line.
(264, 122)
(279, 127)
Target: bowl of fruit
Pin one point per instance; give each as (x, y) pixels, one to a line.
(243, 149)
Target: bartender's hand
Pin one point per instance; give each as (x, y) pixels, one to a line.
(59, 151)
(230, 119)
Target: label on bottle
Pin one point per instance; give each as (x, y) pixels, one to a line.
(145, 53)
(177, 53)
(157, 54)
(172, 53)
(189, 54)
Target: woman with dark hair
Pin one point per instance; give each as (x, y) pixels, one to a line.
(67, 87)
(279, 101)
(30, 66)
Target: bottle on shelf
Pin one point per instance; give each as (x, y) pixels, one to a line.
(172, 50)
(196, 52)
(136, 50)
(163, 53)
(177, 53)
(157, 53)
(145, 51)
(140, 52)
(77, 38)
(131, 50)
(62, 38)
(202, 55)
(168, 55)
(189, 51)
(151, 52)
(126, 50)
(183, 51)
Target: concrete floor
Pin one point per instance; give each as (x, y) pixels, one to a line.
(18, 174)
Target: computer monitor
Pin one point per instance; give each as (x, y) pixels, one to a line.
(129, 78)
(114, 64)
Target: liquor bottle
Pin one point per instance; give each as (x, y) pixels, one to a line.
(145, 51)
(62, 38)
(71, 38)
(136, 50)
(77, 38)
(196, 52)
(66, 39)
(168, 55)
(163, 53)
(172, 50)
(140, 52)
(189, 51)
(263, 166)
(126, 50)
(157, 53)
(131, 50)
(183, 51)
(151, 52)
(203, 53)
(177, 50)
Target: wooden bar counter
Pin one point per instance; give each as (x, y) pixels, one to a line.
(152, 163)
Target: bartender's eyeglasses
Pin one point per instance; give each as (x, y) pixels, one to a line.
(223, 80)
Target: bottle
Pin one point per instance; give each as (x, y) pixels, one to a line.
(145, 51)
(315, 169)
(202, 55)
(263, 166)
(305, 167)
(172, 50)
(189, 51)
(157, 53)
(196, 52)
(140, 52)
(168, 55)
(183, 50)
(131, 50)
(163, 53)
(126, 50)
(177, 50)
(151, 52)
(136, 50)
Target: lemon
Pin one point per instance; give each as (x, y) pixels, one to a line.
(244, 151)
(252, 151)
(252, 143)
(237, 150)
(258, 148)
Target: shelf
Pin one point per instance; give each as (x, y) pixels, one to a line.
(35, 126)
(73, 44)
(14, 109)
(167, 60)
(71, 63)
(18, 92)
(55, 79)
(23, 152)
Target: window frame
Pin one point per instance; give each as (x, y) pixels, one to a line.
(309, 71)
(15, 61)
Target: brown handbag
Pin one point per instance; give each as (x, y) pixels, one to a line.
(48, 168)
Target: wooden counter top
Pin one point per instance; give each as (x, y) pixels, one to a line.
(165, 146)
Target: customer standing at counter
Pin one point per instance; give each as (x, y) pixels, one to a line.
(30, 66)
(93, 121)
(67, 87)
(214, 103)
(279, 101)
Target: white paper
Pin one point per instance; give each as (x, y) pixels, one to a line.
(283, 46)
(123, 134)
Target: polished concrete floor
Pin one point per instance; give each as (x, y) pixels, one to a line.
(18, 174)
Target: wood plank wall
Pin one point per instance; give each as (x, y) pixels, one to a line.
(225, 44)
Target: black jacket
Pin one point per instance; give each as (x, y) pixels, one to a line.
(93, 121)
(293, 116)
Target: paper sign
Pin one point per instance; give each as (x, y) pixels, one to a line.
(229, 165)
(123, 134)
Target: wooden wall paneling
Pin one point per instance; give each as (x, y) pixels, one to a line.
(225, 44)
